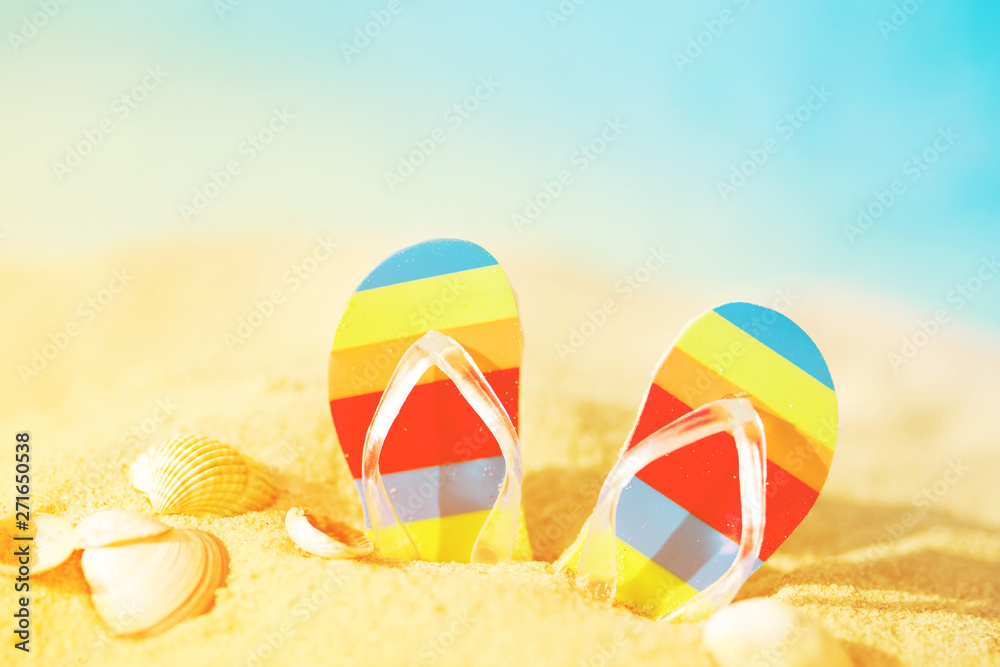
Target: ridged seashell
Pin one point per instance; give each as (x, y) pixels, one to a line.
(111, 527)
(53, 542)
(147, 586)
(325, 536)
(194, 475)
(768, 632)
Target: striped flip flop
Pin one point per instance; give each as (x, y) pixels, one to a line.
(426, 360)
(693, 522)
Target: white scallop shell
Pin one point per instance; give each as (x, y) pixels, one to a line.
(112, 527)
(53, 542)
(194, 475)
(147, 586)
(768, 632)
(325, 536)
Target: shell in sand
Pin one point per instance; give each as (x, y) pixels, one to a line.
(194, 475)
(325, 536)
(146, 586)
(112, 527)
(53, 542)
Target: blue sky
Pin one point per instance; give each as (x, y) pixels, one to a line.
(890, 94)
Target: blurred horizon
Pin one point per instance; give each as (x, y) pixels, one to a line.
(744, 136)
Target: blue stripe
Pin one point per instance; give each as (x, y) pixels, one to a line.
(672, 537)
(438, 491)
(425, 260)
(781, 335)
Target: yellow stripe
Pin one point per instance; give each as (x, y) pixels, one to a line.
(646, 586)
(415, 307)
(449, 538)
(787, 390)
(686, 379)
(363, 370)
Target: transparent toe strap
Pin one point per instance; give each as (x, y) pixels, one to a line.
(598, 556)
(495, 542)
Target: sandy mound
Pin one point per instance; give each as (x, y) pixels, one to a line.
(900, 559)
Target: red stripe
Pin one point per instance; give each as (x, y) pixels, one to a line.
(435, 426)
(703, 479)
(660, 408)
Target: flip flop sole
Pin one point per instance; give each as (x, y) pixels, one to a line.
(440, 464)
(679, 521)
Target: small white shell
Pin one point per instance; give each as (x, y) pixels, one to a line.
(111, 527)
(769, 632)
(325, 536)
(54, 542)
(194, 475)
(147, 586)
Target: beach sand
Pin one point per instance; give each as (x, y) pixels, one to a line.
(916, 443)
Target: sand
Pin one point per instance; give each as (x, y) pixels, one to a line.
(915, 445)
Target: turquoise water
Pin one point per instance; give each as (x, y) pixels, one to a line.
(856, 144)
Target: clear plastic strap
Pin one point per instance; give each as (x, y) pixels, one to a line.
(495, 542)
(598, 559)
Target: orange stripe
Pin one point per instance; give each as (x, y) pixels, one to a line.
(366, 369)
(786, 389)
(694, 384)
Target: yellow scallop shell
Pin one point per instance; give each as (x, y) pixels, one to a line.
(196, 475)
